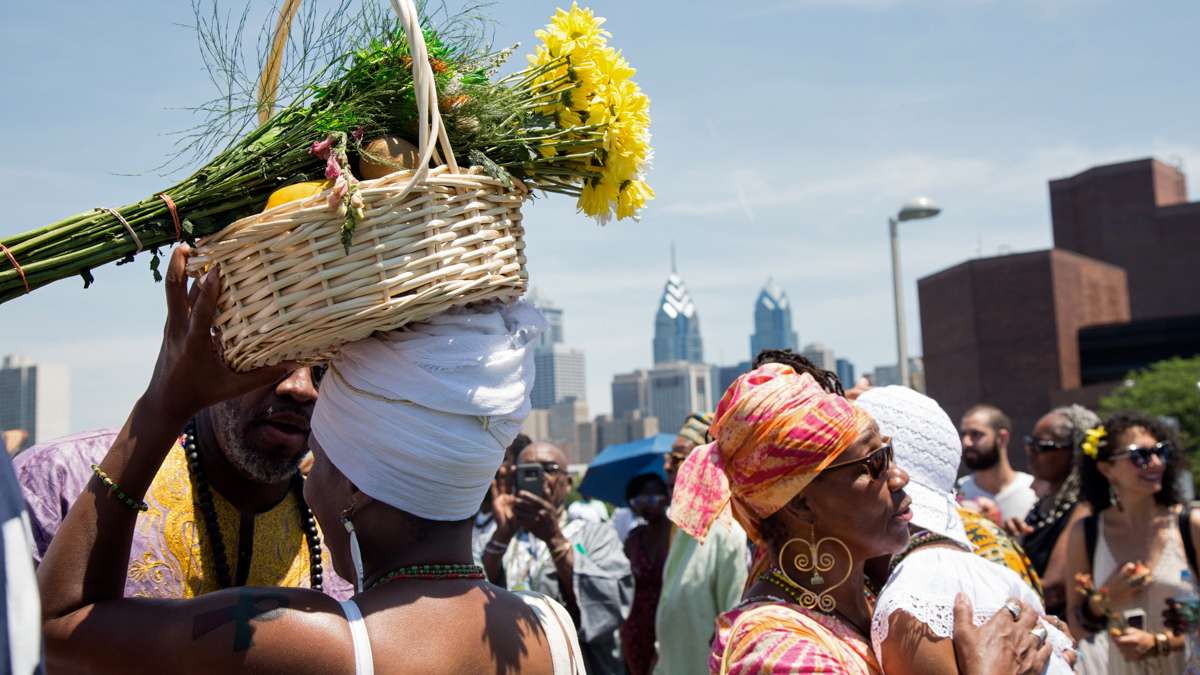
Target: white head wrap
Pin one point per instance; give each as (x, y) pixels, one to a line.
(419, 418)
(927, 447)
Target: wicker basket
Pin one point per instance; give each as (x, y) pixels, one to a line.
(431, 240)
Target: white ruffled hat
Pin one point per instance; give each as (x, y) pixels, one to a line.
(927, 447)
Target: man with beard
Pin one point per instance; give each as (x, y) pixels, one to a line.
(984, 432)
(226, 508)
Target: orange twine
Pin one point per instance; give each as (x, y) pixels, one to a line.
(174, 215)
(17, 267)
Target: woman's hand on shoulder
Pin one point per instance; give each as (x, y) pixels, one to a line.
(1005, 645)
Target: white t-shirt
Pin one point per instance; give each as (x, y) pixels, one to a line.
(925, 583)
(1015, 500)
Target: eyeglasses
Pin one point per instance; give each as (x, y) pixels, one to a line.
(552, 468)
(644, 501)
(1141, 457)
(878, 461)
(1040, 445)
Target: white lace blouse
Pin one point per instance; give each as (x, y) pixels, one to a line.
(924, 586)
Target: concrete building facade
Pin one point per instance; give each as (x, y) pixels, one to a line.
(34, 398)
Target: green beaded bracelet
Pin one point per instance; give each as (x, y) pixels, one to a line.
(114, 490)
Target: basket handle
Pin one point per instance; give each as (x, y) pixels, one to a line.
(431, 131)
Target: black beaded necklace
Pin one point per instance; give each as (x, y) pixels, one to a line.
(1064, 500)
(202, 495)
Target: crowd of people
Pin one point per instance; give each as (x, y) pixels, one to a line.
(383, 514)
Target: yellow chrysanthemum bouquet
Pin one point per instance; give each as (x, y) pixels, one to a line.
(572, 121)
(604, 112)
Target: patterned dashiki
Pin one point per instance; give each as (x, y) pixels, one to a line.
(777, 638)
(170, 556)
(992, 543)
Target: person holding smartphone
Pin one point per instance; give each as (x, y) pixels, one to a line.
(582, 564)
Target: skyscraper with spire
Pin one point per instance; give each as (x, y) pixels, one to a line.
(676, 324)
(772, 321)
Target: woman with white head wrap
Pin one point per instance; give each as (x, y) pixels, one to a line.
(410, 429)
(914, 613)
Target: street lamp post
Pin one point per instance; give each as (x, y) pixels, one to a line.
(921, 207)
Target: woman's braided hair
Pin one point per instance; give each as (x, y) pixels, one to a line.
(828, 380)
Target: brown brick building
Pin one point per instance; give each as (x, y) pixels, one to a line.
(1135, 215)
(1003, 329)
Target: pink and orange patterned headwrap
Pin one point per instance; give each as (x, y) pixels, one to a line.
(775, 430)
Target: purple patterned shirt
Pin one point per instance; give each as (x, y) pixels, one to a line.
(168, 558)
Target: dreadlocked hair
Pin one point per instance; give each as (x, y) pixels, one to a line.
(1094, 486)
(828, 380)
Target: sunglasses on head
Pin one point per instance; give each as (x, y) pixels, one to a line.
(1141, 457)
(1040, 445)
(878, 461)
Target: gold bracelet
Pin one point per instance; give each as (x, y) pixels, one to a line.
(114, 490)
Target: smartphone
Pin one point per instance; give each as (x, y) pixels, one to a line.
(531, 478)
(1135, 618)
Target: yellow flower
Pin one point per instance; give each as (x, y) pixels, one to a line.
(633, 198)
(595, 202)
(602, 96)
(1092, 442)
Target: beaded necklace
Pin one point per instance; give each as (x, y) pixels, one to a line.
(779, 579)
(916, 541)
(203, 497)
(431, 572)
(1064, 500)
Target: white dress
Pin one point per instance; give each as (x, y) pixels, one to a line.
(926, 582)
(1098, 654)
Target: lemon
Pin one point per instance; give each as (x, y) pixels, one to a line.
(290, 193)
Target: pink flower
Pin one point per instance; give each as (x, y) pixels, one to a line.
(321, 149)
(338, 194)
(333, 170)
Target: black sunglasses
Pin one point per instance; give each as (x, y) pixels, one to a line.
(1141, 457)
(878, 461)
(1040, 445)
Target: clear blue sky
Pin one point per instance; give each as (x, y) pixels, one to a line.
(785, 132)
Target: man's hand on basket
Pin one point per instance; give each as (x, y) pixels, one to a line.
(190, 374)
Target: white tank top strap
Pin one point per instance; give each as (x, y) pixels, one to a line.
(363, 663)
(565, 654)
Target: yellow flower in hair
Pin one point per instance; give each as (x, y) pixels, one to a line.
(1092, 441)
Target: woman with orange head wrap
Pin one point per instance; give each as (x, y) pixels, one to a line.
(812, 482)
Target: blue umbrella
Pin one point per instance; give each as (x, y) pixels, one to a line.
(613, 468)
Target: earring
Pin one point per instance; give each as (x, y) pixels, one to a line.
(812, 558)
(1112, 497)
(816, 579)
(355, 551)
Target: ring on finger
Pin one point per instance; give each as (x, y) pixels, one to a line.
(1040, 633)
(1014, 609)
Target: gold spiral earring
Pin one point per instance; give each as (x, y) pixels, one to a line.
(812, 558)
